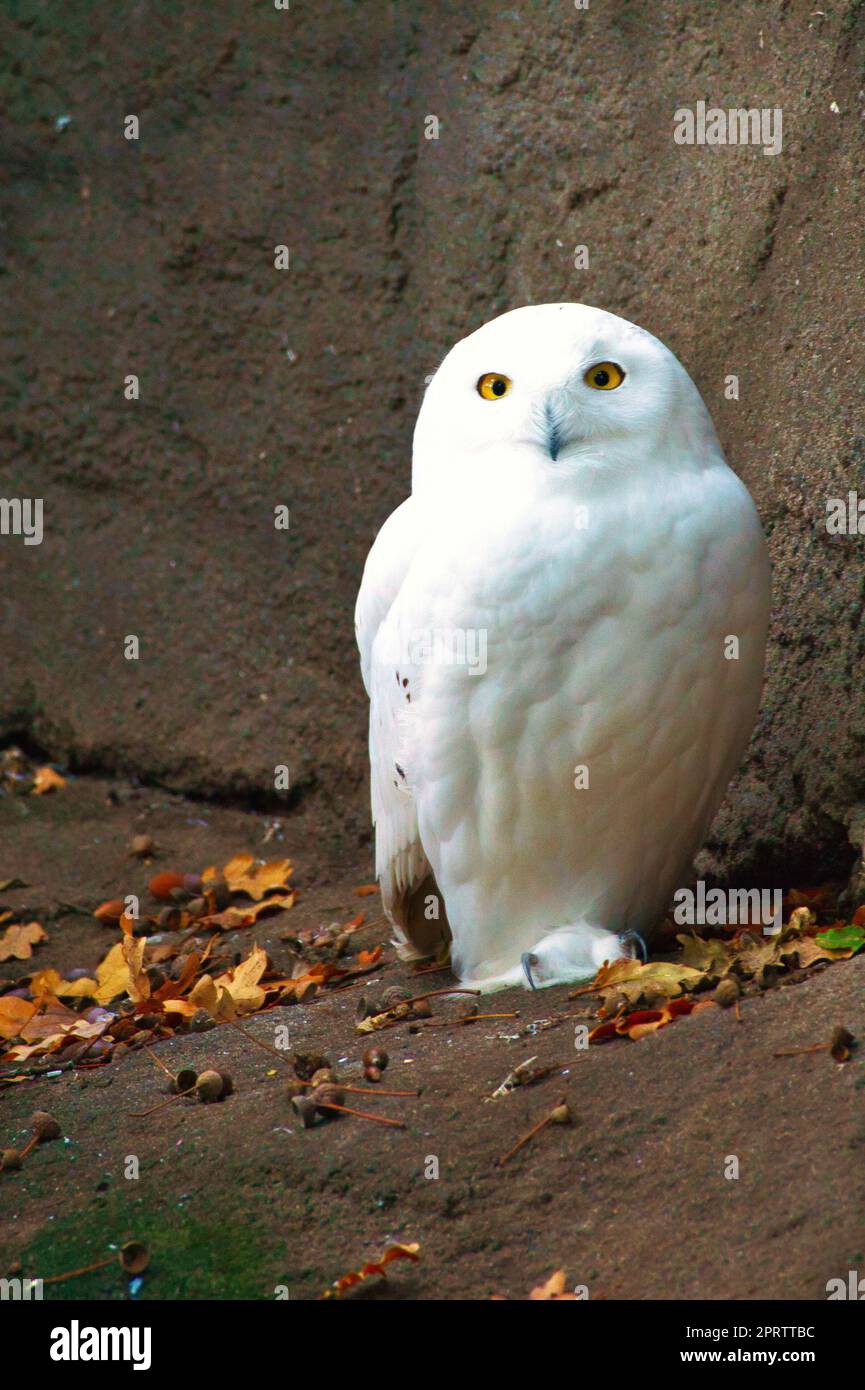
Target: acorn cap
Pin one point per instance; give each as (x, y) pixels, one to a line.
(134, 1256)
(185, 1079)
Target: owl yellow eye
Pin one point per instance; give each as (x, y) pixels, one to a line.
(492, 386)
(604, 376)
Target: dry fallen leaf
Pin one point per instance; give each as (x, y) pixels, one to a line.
(17, 941)
(14, 1014)
(112, 974)
(45, 779)
(348, 1281)
(243, 875)
(554, 1288)
(52, 982)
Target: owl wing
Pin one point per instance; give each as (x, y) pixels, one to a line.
(392, 682)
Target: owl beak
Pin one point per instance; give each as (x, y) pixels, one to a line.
(553, 432)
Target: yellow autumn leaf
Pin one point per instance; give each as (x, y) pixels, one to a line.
(52, 982)
(112, 974)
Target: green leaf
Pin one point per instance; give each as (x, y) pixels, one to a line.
(848, 938)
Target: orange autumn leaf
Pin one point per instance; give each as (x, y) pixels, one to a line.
(552, 1290)
(366, 890)
(17, 941)
(243, 875)
(45, 779)
(14, 1014)
(357, 1276)
(133, 954)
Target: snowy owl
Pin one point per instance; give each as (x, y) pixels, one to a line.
(562, 636)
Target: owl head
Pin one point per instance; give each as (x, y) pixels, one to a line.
(564, 387)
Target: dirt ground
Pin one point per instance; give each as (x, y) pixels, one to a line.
(259, 389)
(236, 1199)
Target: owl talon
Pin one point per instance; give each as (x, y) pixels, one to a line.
(633, 938)
(527, 960)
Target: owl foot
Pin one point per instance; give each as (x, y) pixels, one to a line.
(569, 954)
(634, 945)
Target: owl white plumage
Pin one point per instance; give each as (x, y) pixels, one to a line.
(562, 636)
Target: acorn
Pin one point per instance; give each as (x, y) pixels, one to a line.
(726, 992)
(10, 1159)
(323, 1076)
(372, 1073)
(328, 1095)
(197, 907)
(209, 1086)
(142, 845)
(375, 1057)
(560, 1115)
(421, 1008)
(202, 1021)
(45, 1125)
(185, 1080)
(306, 1110)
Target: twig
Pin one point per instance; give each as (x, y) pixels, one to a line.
(140, 1114)
(74, 1273)
(361, 1114)
(535, 1129)
(158, 1061)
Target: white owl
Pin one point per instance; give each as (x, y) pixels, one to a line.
(562, 636)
